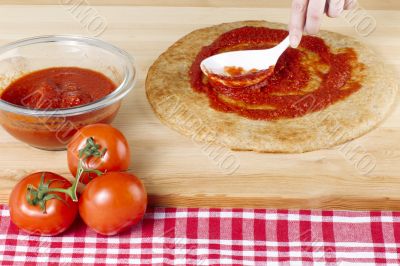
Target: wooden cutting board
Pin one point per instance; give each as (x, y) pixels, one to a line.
(180, 172)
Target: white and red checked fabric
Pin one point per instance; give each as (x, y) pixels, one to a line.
(169, 236)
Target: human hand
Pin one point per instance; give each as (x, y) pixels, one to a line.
(307, 16)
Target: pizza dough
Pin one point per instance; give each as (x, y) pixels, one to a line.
(177, 105)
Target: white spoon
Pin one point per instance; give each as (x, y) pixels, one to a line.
(246, 60)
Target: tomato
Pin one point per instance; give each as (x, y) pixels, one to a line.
(101, 147)
(56, 214)
(113, 202)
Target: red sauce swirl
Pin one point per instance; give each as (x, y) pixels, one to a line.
(304, 80)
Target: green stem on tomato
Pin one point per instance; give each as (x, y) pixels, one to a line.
(91, 149)
(43, 193)
(39, 196)
(72, 190)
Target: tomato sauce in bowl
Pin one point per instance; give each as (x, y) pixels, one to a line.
(51, 86)
(58, 88)
(53, 89)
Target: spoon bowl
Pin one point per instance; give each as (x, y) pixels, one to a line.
(246, 60)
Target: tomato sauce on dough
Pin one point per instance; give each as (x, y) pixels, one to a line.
(304, 80)
(58, 88)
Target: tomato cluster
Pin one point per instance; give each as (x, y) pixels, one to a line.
(113, 200)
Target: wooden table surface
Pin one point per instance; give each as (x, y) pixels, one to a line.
(176, 171)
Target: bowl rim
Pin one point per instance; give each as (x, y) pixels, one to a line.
(118, 94)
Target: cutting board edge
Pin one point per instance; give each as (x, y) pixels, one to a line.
(352, 203)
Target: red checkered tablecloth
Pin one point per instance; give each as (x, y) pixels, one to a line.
(180, 236)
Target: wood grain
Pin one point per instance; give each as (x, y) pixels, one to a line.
(178, 171)
(369, 4)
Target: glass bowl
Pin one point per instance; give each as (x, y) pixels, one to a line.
(52, 129)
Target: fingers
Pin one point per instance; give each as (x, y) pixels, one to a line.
(307, 16)
(350, 4)
(297, 21)
(335, 8)
(315, 13)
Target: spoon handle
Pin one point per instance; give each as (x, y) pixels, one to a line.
(280, 48)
